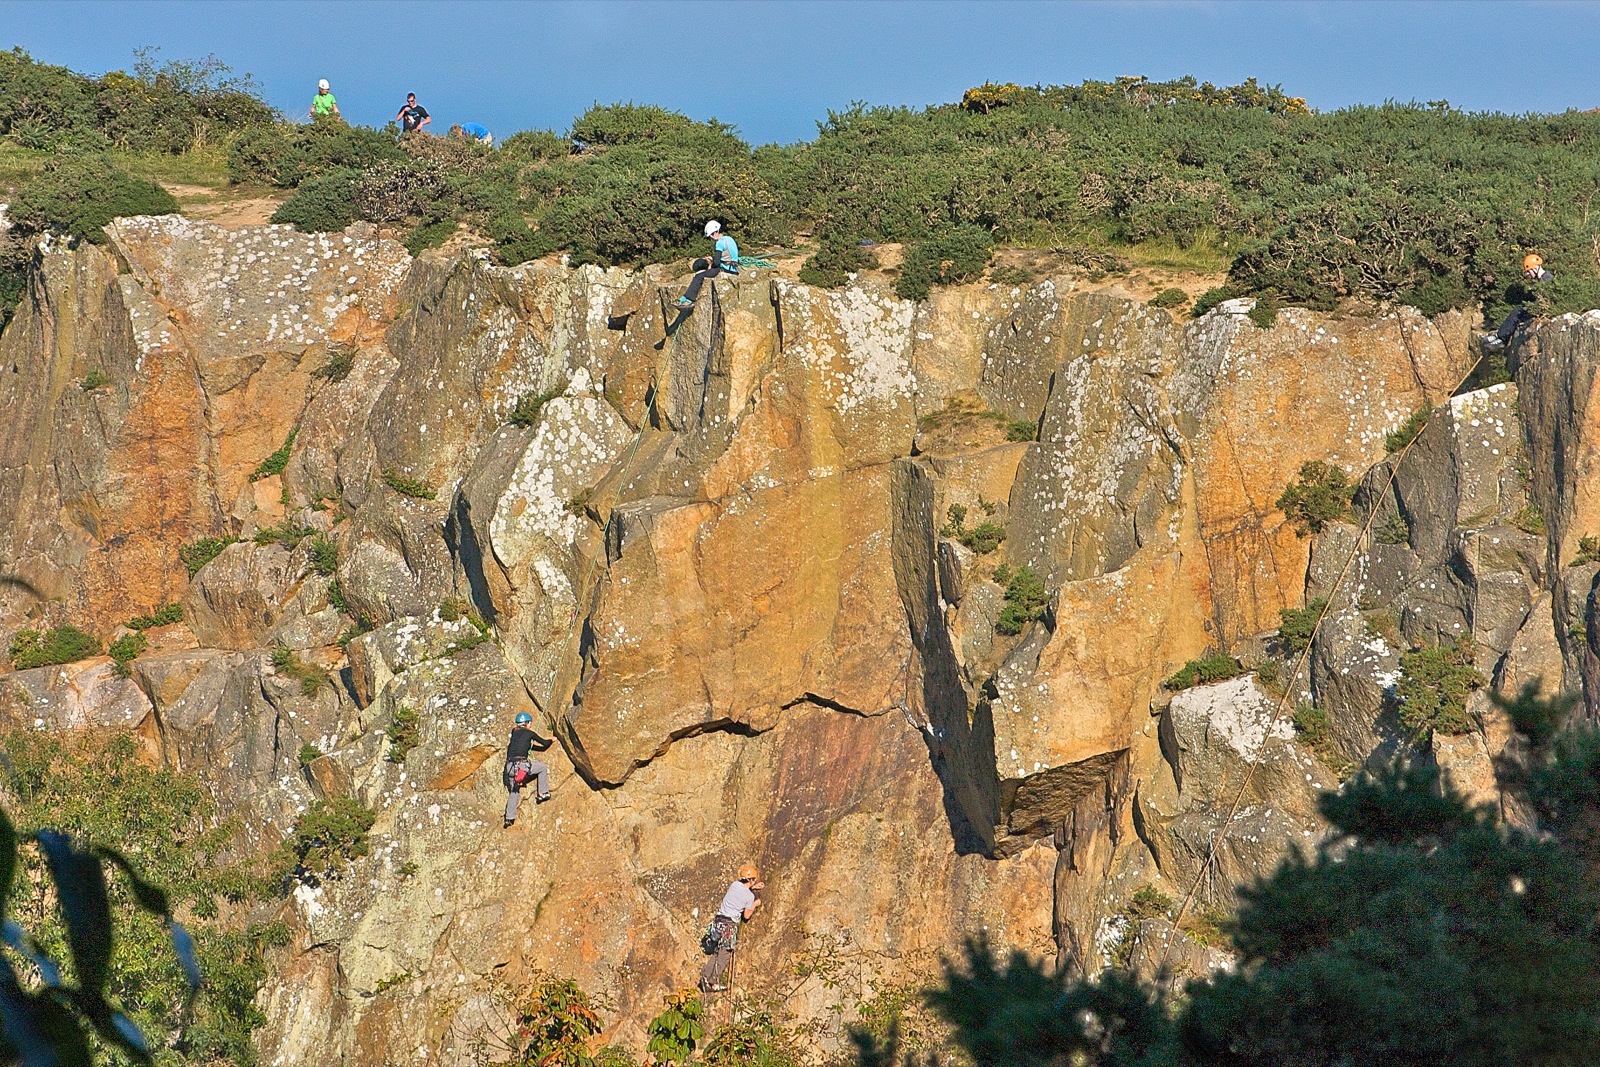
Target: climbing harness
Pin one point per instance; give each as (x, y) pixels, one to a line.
(1283, 701)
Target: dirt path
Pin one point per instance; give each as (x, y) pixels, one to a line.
(229, 208)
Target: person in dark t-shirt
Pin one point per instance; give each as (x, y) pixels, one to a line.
(413, 116)
(521, 767)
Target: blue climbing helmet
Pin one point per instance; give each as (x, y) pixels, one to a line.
(523, 717)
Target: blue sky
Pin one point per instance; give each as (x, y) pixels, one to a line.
(773, 69)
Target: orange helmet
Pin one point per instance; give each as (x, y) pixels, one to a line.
(1532, 262)
(748, 873)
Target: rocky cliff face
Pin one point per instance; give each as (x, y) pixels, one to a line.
(721, 563)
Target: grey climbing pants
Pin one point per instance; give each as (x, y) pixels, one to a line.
(711, 974)
(541, 777)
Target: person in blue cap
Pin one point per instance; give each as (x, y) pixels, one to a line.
(521, 767)
(477, 131)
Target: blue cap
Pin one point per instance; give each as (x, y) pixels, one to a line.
(523, 716)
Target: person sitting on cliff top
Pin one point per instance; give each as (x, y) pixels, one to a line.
(477, 131)
(739, 903)
(724, 260)
(1533, 270)
(323, 104)
(413, 116)
(521, 767)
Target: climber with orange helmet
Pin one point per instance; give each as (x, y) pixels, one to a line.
(1533, 270)
(739, 903)
(522, 768)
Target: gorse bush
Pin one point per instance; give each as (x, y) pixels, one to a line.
(958, 254)
(323, 204)
(197, 554)
(78, 195)
(331, 835)
(1026, 599)
(832, 265)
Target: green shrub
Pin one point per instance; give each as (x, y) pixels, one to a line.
(620, 124)
(1207, 670)
(536, 145)
(324, 555)
(165, 615)
(1169, 298)
(529, 406)
(341, 360)
(309, 753)
(1020, 430)
(955, 255)
(675, 1033)
(405, 730)
(287, 533)
(1588, 551)
(309, 675)
(1211, 298)
(1312, 725)
(1296, 625)
(1384, 624)
(1264, 315)
(831, 266)
(79, 195)
(1434, 684)
(1320, 495)
(1025, 600)
(1528, 518)
(275, 463)
(197, 554)
(411, 487)
(322, 204)
(426, 235)
(326, 839)
(1008, 274)
(125, 649)
(1148, 902)
(64, 644)
(1408, 431)
(1393, 530)
(754, 1038)
(336, 598)
(95, 379)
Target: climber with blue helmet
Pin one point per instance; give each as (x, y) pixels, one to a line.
(521, 767)
(724, 260)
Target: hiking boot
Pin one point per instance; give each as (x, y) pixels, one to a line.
(509, 824)
(541, 798)
(716, 989)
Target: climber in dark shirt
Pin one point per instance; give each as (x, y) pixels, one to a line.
(1533, 270)
(520, 767)
(413, 116)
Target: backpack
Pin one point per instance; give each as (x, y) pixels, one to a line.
(711, 939)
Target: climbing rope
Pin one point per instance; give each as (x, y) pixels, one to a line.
(1288, 688)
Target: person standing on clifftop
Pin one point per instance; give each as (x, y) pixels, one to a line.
(1533, 270)
(521, 767)
(739, 903)
(724, 260)
(413, 116)
(323, 104)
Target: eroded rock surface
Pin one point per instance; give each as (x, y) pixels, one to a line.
(731, 561)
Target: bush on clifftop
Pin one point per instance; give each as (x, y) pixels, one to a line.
(78, 195)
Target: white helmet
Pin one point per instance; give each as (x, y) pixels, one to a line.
(713, 227)
(322, 86)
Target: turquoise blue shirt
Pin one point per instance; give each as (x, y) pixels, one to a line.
(730, 253)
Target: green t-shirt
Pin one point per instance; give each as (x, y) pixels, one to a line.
(322, 104)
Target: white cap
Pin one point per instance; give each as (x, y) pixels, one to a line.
(713, 227)
(323, 85)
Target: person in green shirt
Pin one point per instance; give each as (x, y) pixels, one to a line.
(323, 103)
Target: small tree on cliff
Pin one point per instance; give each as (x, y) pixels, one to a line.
(1422, 932)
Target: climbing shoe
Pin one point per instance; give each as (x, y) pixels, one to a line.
(1492, 342)
(509, 824)
(541, 798)
(684, 302)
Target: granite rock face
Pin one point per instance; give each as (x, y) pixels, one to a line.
(745, 567)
